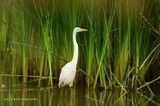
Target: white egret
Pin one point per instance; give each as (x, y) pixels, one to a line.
(68, 72)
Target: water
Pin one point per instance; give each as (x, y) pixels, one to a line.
(14, 93)
(77, 96)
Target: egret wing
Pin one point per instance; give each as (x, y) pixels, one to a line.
(64, 74)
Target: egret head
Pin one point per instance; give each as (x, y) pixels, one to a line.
(78, 29)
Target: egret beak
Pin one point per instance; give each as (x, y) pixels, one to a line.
(82, 30)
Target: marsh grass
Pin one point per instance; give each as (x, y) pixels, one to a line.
(121, 44)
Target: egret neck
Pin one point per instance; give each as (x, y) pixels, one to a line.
(75, 47)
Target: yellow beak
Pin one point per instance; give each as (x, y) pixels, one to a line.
(82, 30)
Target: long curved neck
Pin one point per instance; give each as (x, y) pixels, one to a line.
(75, 53)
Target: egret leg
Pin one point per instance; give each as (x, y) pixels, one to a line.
(71, 85)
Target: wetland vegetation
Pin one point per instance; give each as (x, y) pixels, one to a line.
(119, 51)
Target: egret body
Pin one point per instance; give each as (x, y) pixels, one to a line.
(68, 72)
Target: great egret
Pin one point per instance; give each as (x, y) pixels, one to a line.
(68, 72)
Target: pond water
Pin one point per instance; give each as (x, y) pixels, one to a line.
(76, 96)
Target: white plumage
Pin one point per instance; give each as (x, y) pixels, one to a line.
(68, 72)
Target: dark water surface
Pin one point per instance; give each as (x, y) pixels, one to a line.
(76, 96)
(14, 93)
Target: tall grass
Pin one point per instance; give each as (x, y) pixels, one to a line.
(121, 44)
